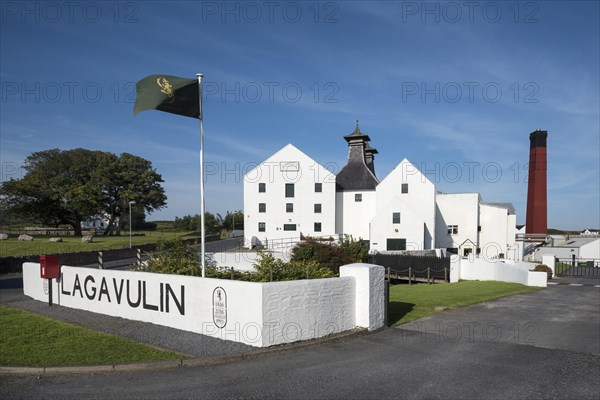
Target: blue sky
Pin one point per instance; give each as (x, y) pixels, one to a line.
(456, 87)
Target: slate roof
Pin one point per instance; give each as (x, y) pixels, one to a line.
(356, 175)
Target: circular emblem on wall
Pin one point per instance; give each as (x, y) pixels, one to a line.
(220, 307)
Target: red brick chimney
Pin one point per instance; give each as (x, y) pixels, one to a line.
(537, 208)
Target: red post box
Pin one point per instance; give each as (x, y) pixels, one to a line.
(49, 268)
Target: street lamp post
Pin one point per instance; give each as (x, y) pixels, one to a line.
(130, 203)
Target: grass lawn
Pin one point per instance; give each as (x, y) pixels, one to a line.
(71, 244)
(408, 303)
(28, 339)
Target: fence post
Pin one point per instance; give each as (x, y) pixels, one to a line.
(307, 271)
(445, 274)
(139, 256)
(231, 273)
(389, 273)
(271, 272)
(100, 261)
(428, 276)
(410, 275)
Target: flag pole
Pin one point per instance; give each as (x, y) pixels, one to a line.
(202, 240)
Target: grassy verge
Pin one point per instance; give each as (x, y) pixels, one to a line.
(408, 303)
(28, 339)
(71, 244)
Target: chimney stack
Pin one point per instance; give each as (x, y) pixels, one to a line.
(537, 209)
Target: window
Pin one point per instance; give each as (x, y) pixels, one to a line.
(396, 244)
(289, 207)
(262, 207)
(262, 187)
(467, 251)
(405, 188)
(289, 190)
(317, 208)
(317, 227)
(452, 229)
(318, 187)
(396, 218)
(358, 197)
(289, 227)
(261, 226)
(479, 228)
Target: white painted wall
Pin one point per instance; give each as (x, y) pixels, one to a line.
(494, 231)
(288, 165)
(479, 269)
(257, 314)
(460, 209)
(420, 198)
(369, 304)
(411, 226)
(354, 217)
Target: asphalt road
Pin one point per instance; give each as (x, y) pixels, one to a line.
(536, 345)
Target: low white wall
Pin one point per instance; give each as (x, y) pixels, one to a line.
(257, 314)
(241, 261)
(472, 268)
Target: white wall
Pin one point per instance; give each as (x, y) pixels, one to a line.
(411, 226)
(257, 314)
(590, 250)
(354, 217)
(420, 197)
(288, 165)
(460, 209)
(479, 269)
(494, 231)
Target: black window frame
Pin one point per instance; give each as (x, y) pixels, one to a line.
(289, 207)
(262, 187)
(287, 227)
(358, 197)
(394, 214)
(318, 208)
(404, 188)
(262, 207)
(318, 187)
(319, 226)
(264, 227)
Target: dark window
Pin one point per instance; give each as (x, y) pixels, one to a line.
(479, 228)
(396, 218)
(317, 227)
(466, 252)
(262, 207)
(289, 190)
(317, 208)
(318, 187)
(452, 250)
(289, 207)
(289, 227)
(396, 244)
(262, 187)
(452, 229)
(261, 226)
(358, 197)
(478, 251)
(405, 188)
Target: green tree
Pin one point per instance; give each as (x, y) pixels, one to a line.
(233, 221)
(63, 187)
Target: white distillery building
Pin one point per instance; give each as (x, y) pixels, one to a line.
(290, 195)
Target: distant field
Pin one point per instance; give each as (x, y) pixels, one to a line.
(70, 244)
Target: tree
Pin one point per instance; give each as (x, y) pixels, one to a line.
(67, 186)
(233, 221)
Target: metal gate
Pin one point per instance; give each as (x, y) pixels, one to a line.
(578, 267)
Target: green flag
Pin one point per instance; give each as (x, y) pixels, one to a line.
(168, 93)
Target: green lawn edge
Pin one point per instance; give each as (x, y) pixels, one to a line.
(411, 302)
(32, 340)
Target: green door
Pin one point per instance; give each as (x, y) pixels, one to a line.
(396, 244)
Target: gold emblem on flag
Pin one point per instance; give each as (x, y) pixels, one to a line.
(166, 88)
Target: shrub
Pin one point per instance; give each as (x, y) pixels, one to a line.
(269, 268)
(331, 255)
(544, 268)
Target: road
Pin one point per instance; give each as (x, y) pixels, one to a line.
(537, 345)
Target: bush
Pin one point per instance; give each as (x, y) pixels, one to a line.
(175, 257)
(331, 255)
(269, 268)
(544, 268)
